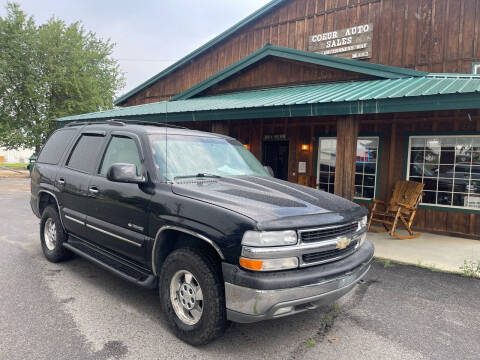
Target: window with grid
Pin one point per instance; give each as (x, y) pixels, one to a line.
(449, 166)
(365, 167)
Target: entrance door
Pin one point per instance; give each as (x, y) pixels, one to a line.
(275, 155)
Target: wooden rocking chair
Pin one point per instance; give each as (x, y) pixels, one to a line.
(402, 205)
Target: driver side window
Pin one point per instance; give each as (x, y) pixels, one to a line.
(121, 150)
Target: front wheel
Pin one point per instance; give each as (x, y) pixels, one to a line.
(192, 296)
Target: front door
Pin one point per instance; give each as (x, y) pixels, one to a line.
(118, 217)
(275, 155)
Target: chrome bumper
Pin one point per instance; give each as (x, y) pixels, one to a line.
(247, 305)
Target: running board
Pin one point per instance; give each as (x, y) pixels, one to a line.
(112, 263)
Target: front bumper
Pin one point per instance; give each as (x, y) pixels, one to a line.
(252, 297)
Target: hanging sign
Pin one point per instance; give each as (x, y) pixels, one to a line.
(352, 43)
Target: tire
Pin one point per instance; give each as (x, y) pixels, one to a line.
(212, 322)
(52, 236)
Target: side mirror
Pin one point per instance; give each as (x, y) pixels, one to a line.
(269, 170)
(124, 173)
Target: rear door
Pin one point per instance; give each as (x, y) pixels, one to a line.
(73, 180)
(118, 214)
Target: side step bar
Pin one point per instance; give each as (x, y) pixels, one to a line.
(116, 266)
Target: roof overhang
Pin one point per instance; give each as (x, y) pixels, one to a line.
(428, 93)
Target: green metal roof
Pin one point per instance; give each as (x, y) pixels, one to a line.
(381, 71)
(255, 15)
(430, 92)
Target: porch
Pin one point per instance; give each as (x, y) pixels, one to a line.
(438, 252)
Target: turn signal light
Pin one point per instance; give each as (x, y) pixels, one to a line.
(251, 264)
(269, 264)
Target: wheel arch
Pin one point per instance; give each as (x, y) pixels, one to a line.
(165, 242)
(46, 198)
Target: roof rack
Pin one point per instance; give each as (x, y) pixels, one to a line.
(110, 122)
(123, 123)
(160, 124)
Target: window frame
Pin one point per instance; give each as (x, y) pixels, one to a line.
(66, 150)
(101, 134)
(104, 149)
(476, 67)
(378, 164)
(406, 168)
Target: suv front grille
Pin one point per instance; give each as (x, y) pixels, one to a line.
(324, 256)
(310, 236)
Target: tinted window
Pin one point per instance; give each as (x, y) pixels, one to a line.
(55, 146)
(85, 153)
(121, 150)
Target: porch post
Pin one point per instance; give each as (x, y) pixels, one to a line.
(220, 127)
(347, 134)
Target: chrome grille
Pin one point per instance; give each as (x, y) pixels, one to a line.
(323, 256)
(310, 236)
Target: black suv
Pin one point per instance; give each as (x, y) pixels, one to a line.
(196, 215)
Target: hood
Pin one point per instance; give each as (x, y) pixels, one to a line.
(271, 202)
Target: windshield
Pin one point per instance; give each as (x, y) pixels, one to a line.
(184, 156)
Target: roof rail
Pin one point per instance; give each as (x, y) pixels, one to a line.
(109, 122)
(139, 122)
(75, 123)
(115, 122)
(123, 123)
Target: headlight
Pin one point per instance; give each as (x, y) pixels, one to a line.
(269, 264)
(362, 239)
(269, 238)
(362, 223)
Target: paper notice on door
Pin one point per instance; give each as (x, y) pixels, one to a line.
(302, 167)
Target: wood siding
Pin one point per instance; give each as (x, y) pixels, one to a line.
(272, 72)
(428, 35)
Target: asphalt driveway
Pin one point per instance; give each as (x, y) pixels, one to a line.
(74, 310)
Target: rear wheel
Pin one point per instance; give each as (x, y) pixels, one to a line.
(192, 296)
(52, 236)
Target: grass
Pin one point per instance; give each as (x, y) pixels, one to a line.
(336, 308)
(326, 325)
(419, 263)
(310, 343)
(386, 262)
(471, 268)
(14, 165)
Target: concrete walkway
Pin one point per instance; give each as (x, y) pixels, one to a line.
(436, 251)
(13, 173)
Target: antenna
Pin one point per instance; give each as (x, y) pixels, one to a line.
(166, 138)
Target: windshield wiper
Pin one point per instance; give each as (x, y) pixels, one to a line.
(199, 175)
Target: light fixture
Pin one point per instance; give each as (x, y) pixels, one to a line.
(247, 146)
(305, 147)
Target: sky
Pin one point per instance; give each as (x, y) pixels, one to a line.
(149, 35)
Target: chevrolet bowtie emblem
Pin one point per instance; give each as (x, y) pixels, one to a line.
(342, 243)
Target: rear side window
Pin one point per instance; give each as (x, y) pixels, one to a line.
(85, 153)
(121, 150)
(55, 147)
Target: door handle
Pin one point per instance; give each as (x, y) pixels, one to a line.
(93, 189)
(61, 181)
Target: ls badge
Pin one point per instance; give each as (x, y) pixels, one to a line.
(342, 243)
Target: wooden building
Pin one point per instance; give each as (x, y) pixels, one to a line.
(345, 95)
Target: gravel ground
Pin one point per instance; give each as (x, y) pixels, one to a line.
(75, 310)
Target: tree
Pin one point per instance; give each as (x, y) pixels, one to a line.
(48, 71)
